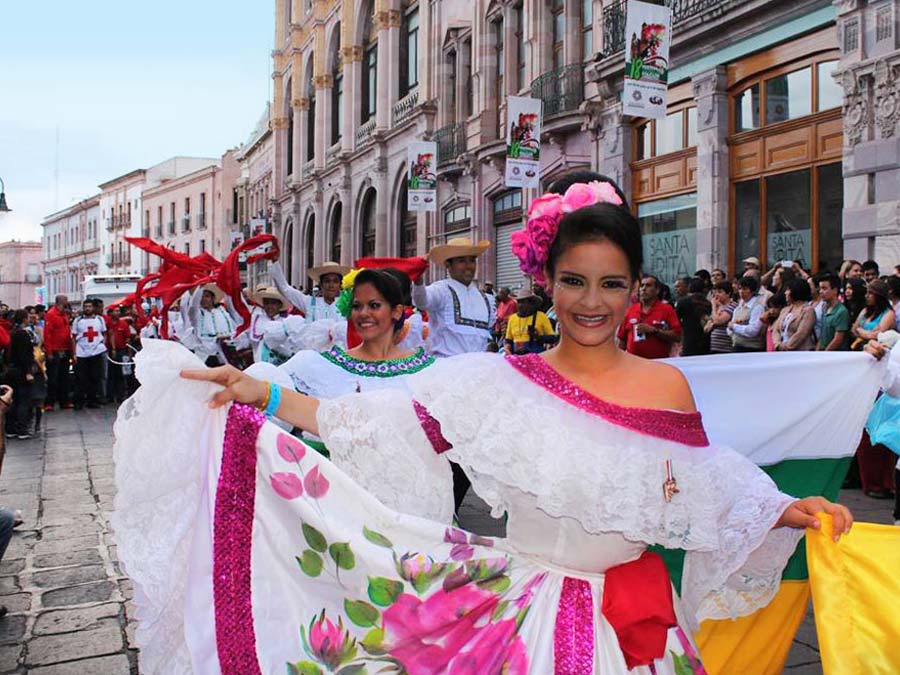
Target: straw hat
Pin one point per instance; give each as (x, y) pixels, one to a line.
(218, 293)
(268, 293)
(327, 267)
(878, 287)
(525, 293)
(457, 247)
(753, 260)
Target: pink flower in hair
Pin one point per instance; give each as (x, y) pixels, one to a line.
(578, 196)
(605, 192)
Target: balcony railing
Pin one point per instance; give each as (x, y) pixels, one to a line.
(561, 90)
(201, 221)
(186, 224)
(451, 143)
(308, 167)
(109, 259)
(403, 108)
(171, 228)
(615, 12)
(364, 133)
(110, 225)
(158, 232)
(332, 153)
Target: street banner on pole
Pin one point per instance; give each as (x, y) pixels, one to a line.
(421, 177)
(648, 34)
(523, 142)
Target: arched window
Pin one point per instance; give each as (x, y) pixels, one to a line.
(337, 86)
(408, 226)
(287, 251)
(310, 242)
(290, 126)
(336, 232)
(311, 113)
(367, 231)
(369, 66)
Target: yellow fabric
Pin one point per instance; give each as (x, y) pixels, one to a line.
(757, 644)
(856, 592)
(517, 328)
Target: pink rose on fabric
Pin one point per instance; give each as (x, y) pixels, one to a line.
(289, 448)
(544, 206)
(316, 484)
(578, 196)
(287, 485)
(425, 636)
(453, 535)
(496, 649)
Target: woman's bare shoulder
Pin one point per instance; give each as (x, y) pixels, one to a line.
(664, 387)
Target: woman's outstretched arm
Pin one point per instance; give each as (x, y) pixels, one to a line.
(295, 409)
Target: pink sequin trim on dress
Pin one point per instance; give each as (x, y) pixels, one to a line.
(573, 634)
(232, 542)
(432, 429)
(670, 425)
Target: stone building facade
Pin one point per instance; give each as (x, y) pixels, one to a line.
(780, 139)
(20, 272)
(71, 248)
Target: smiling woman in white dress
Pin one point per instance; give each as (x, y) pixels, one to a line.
(616, 459)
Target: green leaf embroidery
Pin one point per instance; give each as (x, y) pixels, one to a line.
(373, 642)
(361, 613)
(314, 538)
(377, 538)
(311, 563)
(342, 555)
(682, 664)
(383, 592)
(495, 585)
(353, 669)
(500, 611)
(305, 668)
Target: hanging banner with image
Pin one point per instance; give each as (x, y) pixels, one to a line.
(523, 142)
(648, 34)
(421, 176)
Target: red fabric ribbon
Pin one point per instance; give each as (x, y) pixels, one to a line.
(414, 268)
(228, 276)
(202, 264)
(637, 603)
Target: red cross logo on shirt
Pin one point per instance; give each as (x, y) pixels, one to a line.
(90, 334)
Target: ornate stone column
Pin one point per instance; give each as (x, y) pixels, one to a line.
(351, 57)
(323, 85)
(711, 93)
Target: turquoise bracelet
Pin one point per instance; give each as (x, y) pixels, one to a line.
(274, 400)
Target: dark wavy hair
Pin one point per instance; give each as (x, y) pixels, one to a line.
(594, 223)
(387, 285)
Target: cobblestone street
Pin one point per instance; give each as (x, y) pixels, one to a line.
(68, 601)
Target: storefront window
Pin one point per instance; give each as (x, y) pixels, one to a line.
(670, 133)
(691, 127)
(830, 195)
(789, 96)
(788, 221)
(831, 95)
(746, 221)
(746, 109)
(677, 131)
(669, 229)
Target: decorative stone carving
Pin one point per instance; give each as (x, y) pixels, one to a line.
(387, 19)
(380, 165)
(855, 107)
(611, 130)
(591, 113)
(707, 87)
(352, 53)
(280, 123)
(322, 81)
(300, 103)
(887, 97)
(468, 163)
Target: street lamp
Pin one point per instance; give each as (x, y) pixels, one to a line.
(3, 207)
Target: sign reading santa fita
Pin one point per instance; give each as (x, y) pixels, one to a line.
(523, 142)
(648, 34)
(421, 176)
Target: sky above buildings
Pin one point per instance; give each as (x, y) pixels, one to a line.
(122, 86)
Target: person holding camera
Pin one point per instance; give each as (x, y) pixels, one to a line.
(793, 329)
(529, 330)
(651, 326)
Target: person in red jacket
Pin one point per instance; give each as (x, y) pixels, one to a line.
(58, 348)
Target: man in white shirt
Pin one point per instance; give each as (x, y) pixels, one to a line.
(328, 276)
(89, 338)
(460, 315)
(267, 327)
(747, 331)
(211, 324)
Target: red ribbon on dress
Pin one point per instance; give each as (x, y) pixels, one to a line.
(637, 603)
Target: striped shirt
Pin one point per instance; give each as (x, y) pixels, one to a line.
(719, 339)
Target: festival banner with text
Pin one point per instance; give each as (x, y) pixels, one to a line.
(648, 33)
(523, 142)
(421, 186)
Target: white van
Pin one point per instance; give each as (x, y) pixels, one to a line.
(109, 287)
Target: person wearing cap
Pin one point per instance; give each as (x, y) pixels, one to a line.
(528, 330)
(328, 276)
(267, 327)
(751, 263)
(211, 325)
(461, 316)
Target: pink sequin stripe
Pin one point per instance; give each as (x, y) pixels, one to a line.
(696, 666)
(670, 425)
(232, 540)
(573, 634)
(432, 429)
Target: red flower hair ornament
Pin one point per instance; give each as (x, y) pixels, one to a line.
(532, 245)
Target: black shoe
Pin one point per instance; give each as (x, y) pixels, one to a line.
(24, 437)
(93, 405)
(879, 494)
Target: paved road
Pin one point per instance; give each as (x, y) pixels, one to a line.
(69, 605)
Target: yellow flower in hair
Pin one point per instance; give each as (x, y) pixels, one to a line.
(350, 279)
